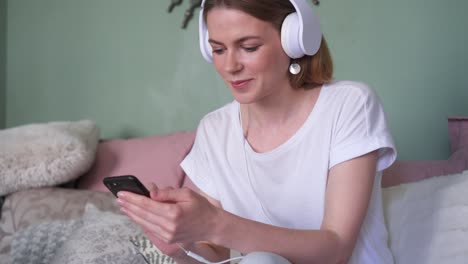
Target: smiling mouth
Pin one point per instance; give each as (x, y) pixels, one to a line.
(240, 84)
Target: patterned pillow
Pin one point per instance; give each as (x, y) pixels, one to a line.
(38, 243)
(33, 207)
(103, 238)
(149, 251)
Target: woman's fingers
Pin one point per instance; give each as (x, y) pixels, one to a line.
(143, 207)
(149, 226)
(174, 214)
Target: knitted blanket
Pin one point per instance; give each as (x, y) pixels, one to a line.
(97, 237)
(39, 243)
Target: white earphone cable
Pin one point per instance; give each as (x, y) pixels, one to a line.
(202, 259)
(244, 142)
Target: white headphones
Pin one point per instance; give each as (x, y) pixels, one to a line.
(300, 32)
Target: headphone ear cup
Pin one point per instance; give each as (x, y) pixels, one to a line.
(205, 46)
(290, 36)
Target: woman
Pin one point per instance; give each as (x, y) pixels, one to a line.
(289, 167)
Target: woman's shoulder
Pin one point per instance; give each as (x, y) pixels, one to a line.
(349, 87)
(350, 91)
(224, 115)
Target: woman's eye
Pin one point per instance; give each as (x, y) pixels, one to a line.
(251, 49)
(218, 51)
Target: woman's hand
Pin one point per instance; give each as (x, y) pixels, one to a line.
(171, 216)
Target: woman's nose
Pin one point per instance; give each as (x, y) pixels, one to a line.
(232, 63)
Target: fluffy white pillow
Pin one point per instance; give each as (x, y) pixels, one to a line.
(47, 154)
(428, 220)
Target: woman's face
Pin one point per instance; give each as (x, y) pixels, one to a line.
(247, 53)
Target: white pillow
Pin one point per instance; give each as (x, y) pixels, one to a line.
(428, 220)
(47, 154)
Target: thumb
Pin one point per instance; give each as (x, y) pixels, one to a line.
(168, 195)
(153, 190)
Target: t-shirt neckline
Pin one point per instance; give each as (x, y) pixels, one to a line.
(289, 142)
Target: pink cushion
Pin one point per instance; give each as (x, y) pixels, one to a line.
(151, 159)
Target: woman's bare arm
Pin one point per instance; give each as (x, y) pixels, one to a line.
(348, 193)
(183, 216)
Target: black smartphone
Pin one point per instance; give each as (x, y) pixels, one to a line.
(128, 183)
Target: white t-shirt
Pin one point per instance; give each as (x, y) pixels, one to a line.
(286, 186)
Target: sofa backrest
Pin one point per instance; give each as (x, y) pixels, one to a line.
(403, 171)
(151, 159)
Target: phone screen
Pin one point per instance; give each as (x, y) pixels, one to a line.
(128, 183)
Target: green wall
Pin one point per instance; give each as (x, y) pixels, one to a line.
(128, 65)
(3, 21)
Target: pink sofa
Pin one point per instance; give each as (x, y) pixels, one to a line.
(156, 159)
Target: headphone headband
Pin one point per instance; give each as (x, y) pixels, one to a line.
(300, 32)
